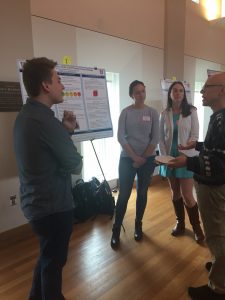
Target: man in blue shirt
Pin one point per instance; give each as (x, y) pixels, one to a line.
(46, 158)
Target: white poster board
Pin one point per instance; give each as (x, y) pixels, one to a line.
(86, 95)
(166, 83)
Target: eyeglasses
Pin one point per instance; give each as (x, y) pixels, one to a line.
(210, 85)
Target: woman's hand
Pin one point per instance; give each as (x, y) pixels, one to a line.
(139, 161)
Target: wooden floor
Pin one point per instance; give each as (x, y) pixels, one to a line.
(160, 267)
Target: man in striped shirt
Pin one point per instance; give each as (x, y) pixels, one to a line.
(209, 169)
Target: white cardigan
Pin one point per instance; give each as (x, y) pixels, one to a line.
(188, 130)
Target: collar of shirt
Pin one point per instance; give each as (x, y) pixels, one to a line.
(40, 105)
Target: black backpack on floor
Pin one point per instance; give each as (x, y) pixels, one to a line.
(92, 198)
(104, 200)
(84, 199)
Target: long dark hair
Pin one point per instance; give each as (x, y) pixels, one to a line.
(185, 106)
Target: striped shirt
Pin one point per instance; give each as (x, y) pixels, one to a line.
(209, 167)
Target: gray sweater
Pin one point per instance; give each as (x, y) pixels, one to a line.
(139, 128)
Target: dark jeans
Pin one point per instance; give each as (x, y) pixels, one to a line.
(127, 174)
(54, 233)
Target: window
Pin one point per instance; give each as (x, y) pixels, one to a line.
(223, 9)
(198, 105)
(196, 1)
(108, 149)
(213, 9)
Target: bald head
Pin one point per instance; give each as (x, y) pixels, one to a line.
(218, 78)
(213, 92)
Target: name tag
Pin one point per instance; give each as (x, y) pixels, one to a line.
(146, 118)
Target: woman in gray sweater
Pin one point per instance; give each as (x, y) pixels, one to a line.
(138, 134)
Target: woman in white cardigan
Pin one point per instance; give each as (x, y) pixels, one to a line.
(179, 129)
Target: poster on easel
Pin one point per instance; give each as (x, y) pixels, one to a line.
(86, 95)
(166, 83)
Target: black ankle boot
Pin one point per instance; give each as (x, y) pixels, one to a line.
(204, 293)
(115, 240)
(138, 234)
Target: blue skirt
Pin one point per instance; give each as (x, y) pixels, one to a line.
(175, 172)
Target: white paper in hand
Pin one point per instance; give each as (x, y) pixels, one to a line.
(163, 159)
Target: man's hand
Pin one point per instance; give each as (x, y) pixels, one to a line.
(69, 121)
(178, 162)
(189, 145)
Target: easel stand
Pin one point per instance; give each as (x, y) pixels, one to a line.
(107, 187)
(115, 189)
(98, 160)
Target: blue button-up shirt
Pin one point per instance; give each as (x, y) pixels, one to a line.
(46, 157)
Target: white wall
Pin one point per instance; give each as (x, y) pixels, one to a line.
(189, 73)
(203, 39)
(16, 42)
(54, 40)
(131, 60)
(141, 21)
(87, 48)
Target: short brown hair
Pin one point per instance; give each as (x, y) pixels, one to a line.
(35, 71)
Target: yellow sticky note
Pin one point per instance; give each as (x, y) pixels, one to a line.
(174, 78)
(67, 60)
